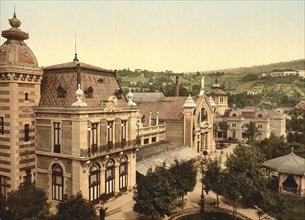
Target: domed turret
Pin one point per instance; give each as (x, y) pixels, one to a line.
(14, 52)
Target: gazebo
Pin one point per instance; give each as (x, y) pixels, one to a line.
(291, 171)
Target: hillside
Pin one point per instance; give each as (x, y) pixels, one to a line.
(289, 65)
(272, 91)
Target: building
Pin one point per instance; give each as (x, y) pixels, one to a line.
(267, 122)
(284, 73)
(20, 79)
(301, 73)
(73, 127)
(189, 120)
(290, 171)
(219, 96)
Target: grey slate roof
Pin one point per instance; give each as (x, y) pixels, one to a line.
(290, 164)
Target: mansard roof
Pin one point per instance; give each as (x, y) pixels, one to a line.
(251, 112)
(59, 85)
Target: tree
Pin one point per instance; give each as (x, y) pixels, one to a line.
(245, 166)
(75, 207)
(154, 194)
(213, 178)
(184, 175)
(252, 132)
(224, 127)
(232, 188)
(28, 202)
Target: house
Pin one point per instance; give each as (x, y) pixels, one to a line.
(267, 122)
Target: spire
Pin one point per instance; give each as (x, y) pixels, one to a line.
(202, 87)
(75, 56)
(79, 95)
(14, 12)
(189, 102)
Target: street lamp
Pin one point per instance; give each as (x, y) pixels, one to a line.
(138, 138)
(203, 162)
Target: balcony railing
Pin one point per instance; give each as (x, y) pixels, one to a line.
(95, 150)
(152, 129)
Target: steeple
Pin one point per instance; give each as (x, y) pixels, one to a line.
(75, 56)
(202, 87)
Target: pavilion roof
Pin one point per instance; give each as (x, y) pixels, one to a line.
(290, 164)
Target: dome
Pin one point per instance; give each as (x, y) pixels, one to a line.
(14, 51)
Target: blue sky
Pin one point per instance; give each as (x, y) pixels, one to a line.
(182, 36)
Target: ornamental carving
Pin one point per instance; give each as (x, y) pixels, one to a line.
(53, 115)
(112, 104)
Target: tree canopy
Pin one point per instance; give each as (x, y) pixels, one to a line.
(28, 202)
(213, 177)
(75, 207)
(154, 195)
(245, 165)
(184, 176)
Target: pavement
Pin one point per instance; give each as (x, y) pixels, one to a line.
(122, 207)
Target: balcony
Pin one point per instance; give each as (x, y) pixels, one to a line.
(152, 130)
(110, 147)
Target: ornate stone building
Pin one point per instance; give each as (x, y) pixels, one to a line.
(267, 122)
(74, 129)
(189, 120)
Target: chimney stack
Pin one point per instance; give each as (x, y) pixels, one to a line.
(177, 86)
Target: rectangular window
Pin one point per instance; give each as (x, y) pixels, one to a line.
(26, 132)
(94, 186)
(233, 125)
(260, 126)
(1, 125)
(94, 137)
(123, 125)
(109, 133)
(146, 141)
(123, 177)
(3, 186)
(154, 139)
(56, 129)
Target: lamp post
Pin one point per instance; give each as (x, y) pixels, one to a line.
(203, 162)
(138, 138)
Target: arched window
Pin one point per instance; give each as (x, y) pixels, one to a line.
(110, 177)
(123, 173)
(204, 115)
(260, 116)
(234, 115)
(57, 182)
(94, 183)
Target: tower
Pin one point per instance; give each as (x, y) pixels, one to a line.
(20, 79)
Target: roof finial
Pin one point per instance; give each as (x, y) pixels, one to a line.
(75, 57)
(292, 150)
(14, 11)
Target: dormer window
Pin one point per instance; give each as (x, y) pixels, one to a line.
(101, 80)
(234, 115)
(89, 92)
(260, 116)
(61, 92)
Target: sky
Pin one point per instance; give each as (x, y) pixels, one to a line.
(182, 36)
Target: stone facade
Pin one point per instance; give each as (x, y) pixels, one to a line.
(20, 79)
(267, 122)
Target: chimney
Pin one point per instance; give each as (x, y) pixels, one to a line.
(177, 86)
